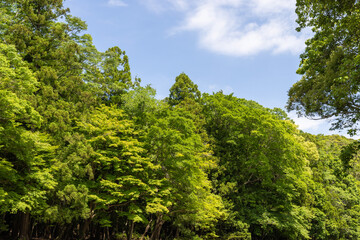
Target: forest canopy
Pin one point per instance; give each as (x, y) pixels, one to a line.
(87, 152)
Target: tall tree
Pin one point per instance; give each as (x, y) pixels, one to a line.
(174, 144)
(329, 87)
(114, 169)
(25, 153)
(263, 168)
(108, 73)
(49, 39)
(184, 204)
(183, 88)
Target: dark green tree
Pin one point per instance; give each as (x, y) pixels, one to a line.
(335, 190)
(263, 169)
(108, 73)
(183, 88)
(329, 87)
(48, 38)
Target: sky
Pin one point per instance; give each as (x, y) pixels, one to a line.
(246, 47)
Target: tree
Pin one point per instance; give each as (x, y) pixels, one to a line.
(140, 104)
(183, 88)
(25, 153)
(185, 203)
(108, 73)
(47, 38)
(263, 168)
(176, 141)
(329, 87)
(119, 178)
(335, 189)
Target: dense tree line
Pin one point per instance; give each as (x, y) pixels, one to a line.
(86, 152)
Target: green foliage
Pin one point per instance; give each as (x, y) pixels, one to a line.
(263, 170)
(25, 173)
(183, 88)
(108, 73)
(141, 106)
(118, 175)
(329, 89)
(349, 154)
(336, 191)
(329, 66)
(173, 143)
(88, 153)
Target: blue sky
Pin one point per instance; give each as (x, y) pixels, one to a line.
(249, 48)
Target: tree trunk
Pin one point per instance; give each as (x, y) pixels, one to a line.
(64, 233)
(177, 233)
(146, 229)
(24, 226)
(84, 228)
(106, 233)
(130, 231)
(157, 228)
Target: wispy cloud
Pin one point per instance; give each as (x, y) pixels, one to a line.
(319, 127)
(238, 27)
(117, 3)
(307, 125)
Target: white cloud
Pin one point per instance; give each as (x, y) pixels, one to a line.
(117, 3)
(318, 126)
(306, 124)
(272, 6)
(238, 27)
(309, 125)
